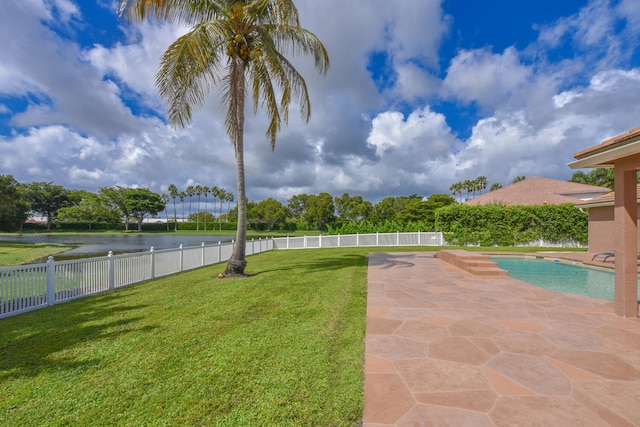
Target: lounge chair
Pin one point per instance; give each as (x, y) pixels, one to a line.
(607, 255)
(604, 256)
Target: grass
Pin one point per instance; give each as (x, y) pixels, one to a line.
(23, 253)
(283, 347)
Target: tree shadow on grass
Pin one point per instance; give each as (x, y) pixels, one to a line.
(328, 262)
(395, 260)
(45, 339)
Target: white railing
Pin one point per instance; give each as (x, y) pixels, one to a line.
(29, 287)
(349, 240)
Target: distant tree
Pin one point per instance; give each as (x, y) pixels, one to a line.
(268, 211)
(469, 186)
(116, 199)
(495, 186)
(141, 203)
(182, 195)
(205, 192)
(222, 194)
(602, 177)
(298, 206)
(190, 191)
(387, 208)
(456, 188)
(198, 192)
(89, 208)
(165, 202)
(352, 208)
(320, 210)
(174, 193)
(228, 197)
(14, 207)
(46, 199)
(201, 216)
(481, 183)
(215, 192)
(518, 179)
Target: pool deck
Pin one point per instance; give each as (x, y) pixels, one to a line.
(445, 347)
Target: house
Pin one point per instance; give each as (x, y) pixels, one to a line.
(601, 221)
(539, 191)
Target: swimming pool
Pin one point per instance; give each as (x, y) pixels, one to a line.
(561, 277)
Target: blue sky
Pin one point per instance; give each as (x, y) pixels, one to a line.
(420, 94)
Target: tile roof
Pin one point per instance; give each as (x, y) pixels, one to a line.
(609, 143)
(538, 191)
(604, 200)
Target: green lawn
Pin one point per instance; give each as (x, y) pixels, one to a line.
(23, 253)
(283, 347)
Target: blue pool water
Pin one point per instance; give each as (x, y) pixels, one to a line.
(560, 277)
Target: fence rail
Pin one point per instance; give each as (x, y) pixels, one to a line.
(349, 240)
(29, 287)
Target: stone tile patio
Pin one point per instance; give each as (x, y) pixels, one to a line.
(447, 348)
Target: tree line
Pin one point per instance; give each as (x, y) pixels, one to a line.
(110, 205)
(341, 214)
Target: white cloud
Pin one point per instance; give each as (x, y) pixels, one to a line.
(486, 78)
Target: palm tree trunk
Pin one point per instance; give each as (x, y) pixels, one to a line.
(237, 262)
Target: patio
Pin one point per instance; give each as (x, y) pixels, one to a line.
(445, 347)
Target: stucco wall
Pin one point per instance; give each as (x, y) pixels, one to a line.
(601, 238)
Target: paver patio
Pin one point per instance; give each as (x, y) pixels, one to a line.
(447, 348)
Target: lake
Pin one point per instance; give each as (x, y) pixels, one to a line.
(101, 244)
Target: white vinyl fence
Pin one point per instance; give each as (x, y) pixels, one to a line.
(29, 287)
(374, 239)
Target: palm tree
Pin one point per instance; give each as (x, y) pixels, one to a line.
(216, 194)
(190, 190)
(205, 191)
(481, 183)
(229, 199)
(456, 188)
(173, 193)
(198, 192)
(221, 195)
(233, 44)
(165, 200)
(182, 195)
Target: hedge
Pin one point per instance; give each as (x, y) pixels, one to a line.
(489, 225)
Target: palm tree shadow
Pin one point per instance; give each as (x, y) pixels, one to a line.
(395, 260)
(40, 341)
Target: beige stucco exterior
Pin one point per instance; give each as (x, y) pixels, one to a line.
(623, 154)
(601, 229)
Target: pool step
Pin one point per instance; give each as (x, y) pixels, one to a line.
(474, 263)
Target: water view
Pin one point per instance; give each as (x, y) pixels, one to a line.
(101, 244)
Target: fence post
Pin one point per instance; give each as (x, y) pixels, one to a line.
(287, 242)
(153, 263)
(358, 240)
(418, 237)
(377, 239)
(219, 251)
(181, 258)
(397, 238)
(339, 240)
(202, 261)
(305, 241)
(51, 281)
(253, 246)
(320, 241)
(112, 270)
